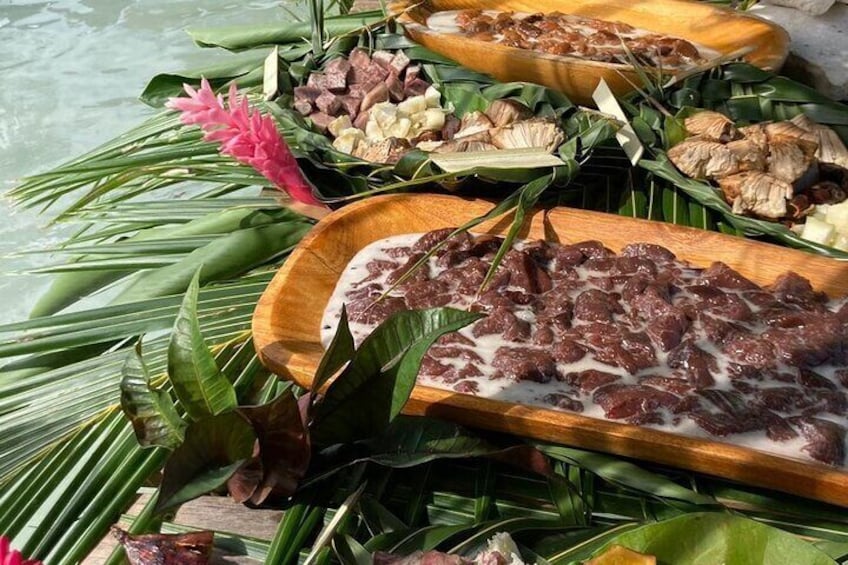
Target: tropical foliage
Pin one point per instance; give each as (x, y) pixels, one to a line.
(92, 414)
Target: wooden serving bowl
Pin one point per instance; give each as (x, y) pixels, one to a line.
(287, 321)
(723, 30)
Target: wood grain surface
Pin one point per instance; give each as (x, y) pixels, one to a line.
(286, 327)
(721, 29)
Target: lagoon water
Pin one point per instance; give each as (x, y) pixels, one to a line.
(71, 72)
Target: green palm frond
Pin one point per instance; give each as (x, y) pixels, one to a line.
(70, 464)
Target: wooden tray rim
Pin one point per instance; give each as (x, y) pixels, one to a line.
(723, 460)
(402, 9)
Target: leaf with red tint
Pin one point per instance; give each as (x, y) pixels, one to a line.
(247, 478)
(213, 450)
(166, 549)
(284, 450)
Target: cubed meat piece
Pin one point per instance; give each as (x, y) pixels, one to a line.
(446, 352)
(632, 351)
(328, 103)
(452, 125)
(321, 121)
(303, 107)
(665, 323)
(826, 439)
(318, 80)
(792, 288)
(382, 58)
(359, 57)
(373, 312)
(415, 87)
(412, 72)
(595, 306)
(371, 73)
(350, 105)
(431, 239)
(379, 93)
(697, 364)
(811, 345)
(523, 364)
(563, 402)
(399, 62)
(504, 323)
(589, 380)
(419, 274)
(722, 276)
(621, 401)
(338, 71)
(568, 351)
(467, 387)
(674, 385)
(308, 93)
(648, 251)
(395, 88)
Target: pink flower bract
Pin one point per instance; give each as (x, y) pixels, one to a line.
(249, 137)
(8, 556)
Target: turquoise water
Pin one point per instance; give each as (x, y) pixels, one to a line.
(70, 72)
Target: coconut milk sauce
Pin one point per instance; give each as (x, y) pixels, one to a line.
(532, 393)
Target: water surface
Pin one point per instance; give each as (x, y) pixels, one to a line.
(71, 72)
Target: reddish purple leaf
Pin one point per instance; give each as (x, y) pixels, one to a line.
(166, 549)
(284, 449)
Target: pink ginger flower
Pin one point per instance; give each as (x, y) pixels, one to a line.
(250, 137)
(8, 556)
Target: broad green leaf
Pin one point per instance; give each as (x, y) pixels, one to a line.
(165, 85)
(350, 551)
(198, 382)
(70, 287)
(378, 518)
(407, 442)
(237, 38)
(227, 257)
(214, 449)
(298, 524)
(712, 537)
(339, 352)
(151, 412)
(423, 539)
(465, 97)
(374, 387)
(576, 545)
(622, 473)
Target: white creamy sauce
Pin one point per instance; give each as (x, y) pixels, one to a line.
(533, 393)
(445, 22)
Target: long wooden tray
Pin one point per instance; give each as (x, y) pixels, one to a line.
(764, 43)
(287, 321)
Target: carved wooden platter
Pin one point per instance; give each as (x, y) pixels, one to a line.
(286, 327)
(765, 44)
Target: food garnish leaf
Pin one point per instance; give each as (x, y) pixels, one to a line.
(374, 387)
(625, 474)
(339, 352)
(213, 450)
(151, 412)
(284, 447)
(198, 382)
